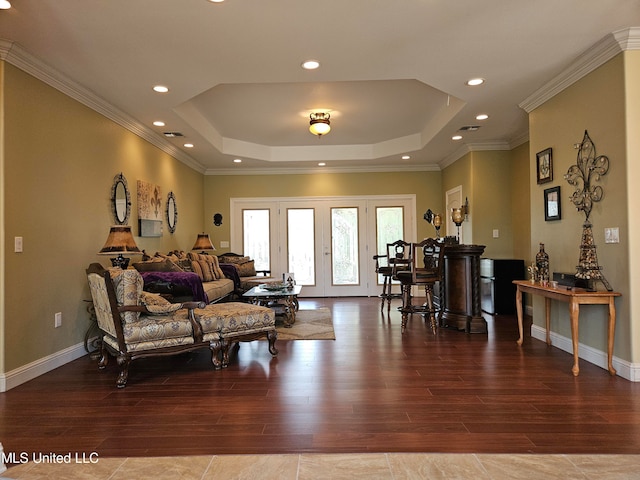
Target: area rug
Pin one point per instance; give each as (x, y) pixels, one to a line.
(310, 325)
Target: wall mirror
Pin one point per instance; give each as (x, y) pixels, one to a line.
(120, 200)
(172, 212)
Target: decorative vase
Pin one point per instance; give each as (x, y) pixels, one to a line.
(542, 264)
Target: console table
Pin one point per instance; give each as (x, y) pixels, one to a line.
(574, 297)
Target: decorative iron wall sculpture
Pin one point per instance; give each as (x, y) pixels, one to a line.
(587, 170)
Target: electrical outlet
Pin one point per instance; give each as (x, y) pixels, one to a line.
(57, 319)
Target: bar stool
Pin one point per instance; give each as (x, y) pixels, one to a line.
(387, 265)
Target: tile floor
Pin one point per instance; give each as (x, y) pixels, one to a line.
(392, 466)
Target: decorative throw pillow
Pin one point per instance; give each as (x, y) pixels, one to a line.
(233, 259)
(246, 269)
(157, 304)
(157, 265)
(203, 269)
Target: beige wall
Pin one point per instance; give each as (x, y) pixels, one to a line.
(595, 103)
(59, 161)
(219, 189)
(495, 183)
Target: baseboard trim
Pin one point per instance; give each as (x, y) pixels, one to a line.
(589, 354)
(32, 370)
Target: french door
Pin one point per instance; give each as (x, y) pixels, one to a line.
(327, 243)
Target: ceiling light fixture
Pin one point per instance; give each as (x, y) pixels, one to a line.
(158, 123)
(319, 124)
(310, 64)
(456, 137)
(216, 1)
(482, 116)
(5, 5)
(406, 157)
(160, 89)
(322, 164)
(237, 160)
(188, 145)
(475, 81)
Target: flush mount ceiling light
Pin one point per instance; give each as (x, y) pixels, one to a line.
(319, 124)
(475, 81)
(5, 5)
(310, 64)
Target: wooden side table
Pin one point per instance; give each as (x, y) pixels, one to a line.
(574, 297)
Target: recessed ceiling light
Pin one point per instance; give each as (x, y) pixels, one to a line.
(321, 164)
(310, 64)
(158, 123)
(475, 81)
(5, 5)
(456, 137)
(482, 116)
(188, 145)
(237, 160)
(406, 157)
(216, 1)
(160, 89)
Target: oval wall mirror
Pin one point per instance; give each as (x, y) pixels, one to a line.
(172, 212)
(120, 200)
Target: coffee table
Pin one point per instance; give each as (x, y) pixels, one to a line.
(284, 300)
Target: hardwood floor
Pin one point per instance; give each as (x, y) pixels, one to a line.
(373, 389)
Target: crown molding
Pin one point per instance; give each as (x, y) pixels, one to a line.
(17, 56)
(473, 147)
(312, 170)
(588, 61)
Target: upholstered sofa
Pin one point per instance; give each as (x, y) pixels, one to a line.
(137, 324)
(192, 276)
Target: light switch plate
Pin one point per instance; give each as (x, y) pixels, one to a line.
(224, 244)
(17, 244)
(612, 235)
(496, 233)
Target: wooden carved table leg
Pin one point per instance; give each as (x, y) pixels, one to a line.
(289, 310)
(519, 312)
(612, 328)
(574, 311)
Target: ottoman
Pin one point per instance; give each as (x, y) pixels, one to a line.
(226, 324)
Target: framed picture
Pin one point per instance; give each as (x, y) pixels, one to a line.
(552, 209)
(544, 166)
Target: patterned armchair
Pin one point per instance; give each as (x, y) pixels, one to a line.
(136, 324)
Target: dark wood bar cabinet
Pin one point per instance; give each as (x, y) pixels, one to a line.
(460, 289)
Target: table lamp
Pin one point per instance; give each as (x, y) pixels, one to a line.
(203, 243)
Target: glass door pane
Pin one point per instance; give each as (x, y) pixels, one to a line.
(301, 245)
(344, 245)
(256, 234)
(389, 228)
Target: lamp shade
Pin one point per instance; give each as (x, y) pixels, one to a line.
(120, 242)
(203, 242)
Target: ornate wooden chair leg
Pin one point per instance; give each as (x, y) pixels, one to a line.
(272, 335)
(384, 293)
(215, 346)
(406, 305)
(104, 357)
(123, 376)
(431, 310)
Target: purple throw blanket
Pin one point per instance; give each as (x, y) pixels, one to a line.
(189, 279)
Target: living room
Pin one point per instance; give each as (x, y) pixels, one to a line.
(59, 157)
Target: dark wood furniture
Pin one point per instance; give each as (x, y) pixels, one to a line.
(460, 288)
(425, 270)
(574, 297)
(397, 254)
(497, 291)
